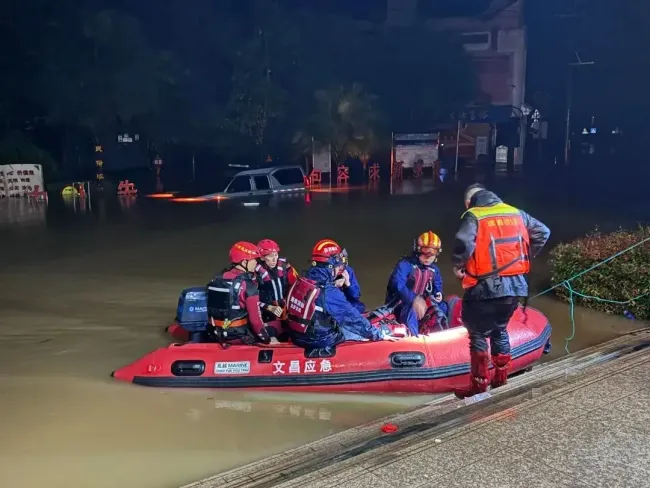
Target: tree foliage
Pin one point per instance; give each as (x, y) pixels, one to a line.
(419, 75)
(346, 119)
(261, 63)
(97, 69)
(16, 147)
(246, 81)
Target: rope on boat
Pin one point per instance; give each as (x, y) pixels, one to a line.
(573, 293)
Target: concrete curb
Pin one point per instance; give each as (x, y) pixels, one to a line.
(434, 421)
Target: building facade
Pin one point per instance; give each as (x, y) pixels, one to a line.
(496, 41)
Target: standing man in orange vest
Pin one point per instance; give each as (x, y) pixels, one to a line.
(492, 253)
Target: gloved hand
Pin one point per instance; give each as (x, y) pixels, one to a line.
(346, 277)
(386, 333)
(264, 335)
(275, 310)
(388, 337)
(437, 297)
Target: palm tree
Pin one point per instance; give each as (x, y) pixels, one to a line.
(345, 118)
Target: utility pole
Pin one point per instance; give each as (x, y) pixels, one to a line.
(569, 96)
(457, 149)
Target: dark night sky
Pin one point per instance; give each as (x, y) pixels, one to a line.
(599, 32)
(375, 10)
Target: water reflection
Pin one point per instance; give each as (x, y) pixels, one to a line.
(127, 201)
(413, 187)
(22, 211)
(76, 204)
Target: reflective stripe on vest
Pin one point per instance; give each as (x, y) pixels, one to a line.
(502, 244)
(228, 324)
(312, 297)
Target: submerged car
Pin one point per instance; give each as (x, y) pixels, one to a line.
(262, 182)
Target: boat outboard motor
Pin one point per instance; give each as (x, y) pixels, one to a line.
(192, 312)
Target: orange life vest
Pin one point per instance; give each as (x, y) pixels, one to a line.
(502, 244)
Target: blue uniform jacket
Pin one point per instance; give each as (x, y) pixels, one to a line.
(353, 292)
(353, 325)
(398, 282)
(495, 286)
(399, 292)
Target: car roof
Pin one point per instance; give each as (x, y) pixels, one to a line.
(264, 171)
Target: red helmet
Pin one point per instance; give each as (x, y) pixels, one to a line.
(267, 246)
(326, 251)
(427, 244)
(243, 251)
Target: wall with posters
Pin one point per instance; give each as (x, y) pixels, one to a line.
(18, 180)
(411, 147)
(322, 159)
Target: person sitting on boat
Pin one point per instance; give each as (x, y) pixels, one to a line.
(275, 276)
(415, 288)
(234, 301)
(351, 288)
(318, 314)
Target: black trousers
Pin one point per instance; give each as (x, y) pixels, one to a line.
(488, 319)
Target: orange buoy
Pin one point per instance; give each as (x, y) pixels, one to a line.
(389, 428)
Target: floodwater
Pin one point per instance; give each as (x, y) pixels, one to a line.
(83, 293)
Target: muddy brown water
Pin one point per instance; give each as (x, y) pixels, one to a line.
(83, 293)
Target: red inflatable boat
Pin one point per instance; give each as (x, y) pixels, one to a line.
(436, 363)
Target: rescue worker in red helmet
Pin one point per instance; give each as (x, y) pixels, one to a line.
(415, 287)
(492, 253)
(275, 276)
(234, 301)
(318, 314)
